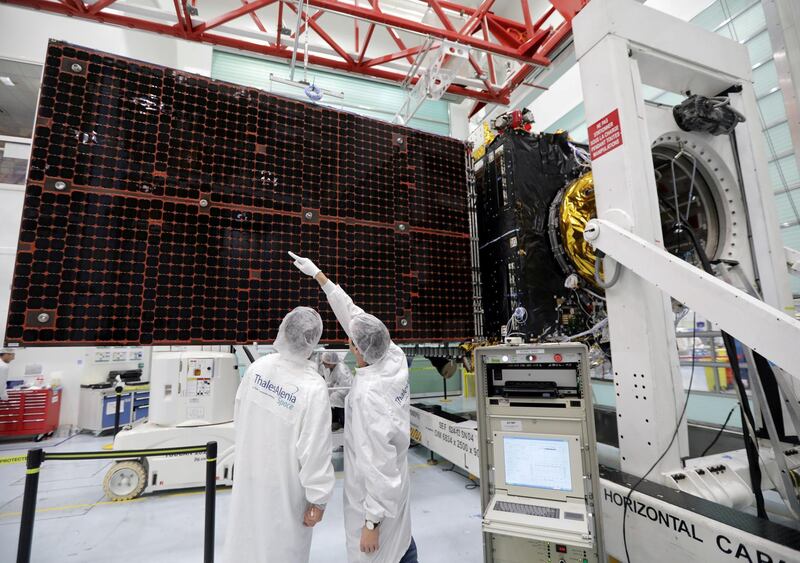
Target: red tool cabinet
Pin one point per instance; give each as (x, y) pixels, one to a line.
(30, 412)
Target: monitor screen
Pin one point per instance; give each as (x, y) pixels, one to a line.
(541, 463)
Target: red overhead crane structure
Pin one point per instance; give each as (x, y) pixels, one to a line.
(529, 42)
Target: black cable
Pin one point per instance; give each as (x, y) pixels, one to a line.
(719, 433)
(666, 450)
(469, 486)
(750, 444)
(248, 354)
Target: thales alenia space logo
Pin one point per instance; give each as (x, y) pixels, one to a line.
(285, 395)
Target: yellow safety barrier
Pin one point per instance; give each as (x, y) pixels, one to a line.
(13, 459)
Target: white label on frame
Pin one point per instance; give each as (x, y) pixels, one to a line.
(511, 425)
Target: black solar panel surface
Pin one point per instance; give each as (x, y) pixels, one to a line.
(160, 208)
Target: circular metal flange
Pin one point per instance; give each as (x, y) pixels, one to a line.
(719, 196)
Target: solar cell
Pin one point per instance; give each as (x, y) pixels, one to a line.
(160, 208)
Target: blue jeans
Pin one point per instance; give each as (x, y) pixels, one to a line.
(411, 554)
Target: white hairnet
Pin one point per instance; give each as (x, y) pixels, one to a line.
(370, 336)
(299, 332)
(330, 358)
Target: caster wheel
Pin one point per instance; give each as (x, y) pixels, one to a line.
(125, 480)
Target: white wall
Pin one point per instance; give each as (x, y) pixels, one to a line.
(23, 36)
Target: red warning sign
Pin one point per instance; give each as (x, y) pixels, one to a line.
(605, 135)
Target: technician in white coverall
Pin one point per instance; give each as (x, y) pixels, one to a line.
(283, 475)
(6, 357)
(339, 378)
(377, 509)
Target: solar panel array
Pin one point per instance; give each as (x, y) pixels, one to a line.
(160, 208)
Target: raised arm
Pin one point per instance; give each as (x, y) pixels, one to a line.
(341, 303)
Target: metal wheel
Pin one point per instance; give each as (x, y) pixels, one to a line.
(125, 480)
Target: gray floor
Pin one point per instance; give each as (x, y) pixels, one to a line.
(74, 522)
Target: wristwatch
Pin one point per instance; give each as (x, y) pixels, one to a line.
(371, 525)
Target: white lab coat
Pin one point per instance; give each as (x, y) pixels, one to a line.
(283, 461)
(4, 367)
(376, 439)
(339, 376)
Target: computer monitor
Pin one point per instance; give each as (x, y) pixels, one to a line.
(538, 465)
(541, 463)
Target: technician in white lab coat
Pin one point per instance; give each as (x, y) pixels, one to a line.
(339, 378)
(376, 481)
(6, 357)
(283, 476)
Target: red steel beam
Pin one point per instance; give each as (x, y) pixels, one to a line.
(367, 39)
(182, 24)
(526, 14)
(278, 32)
(547, 47)
(442, 16)
(256, 19)
(489, 56)
(325, 37)
(540, 22)
(476, 18)
(224, 41)
(449, 26)
(100, 5)
(232, 15)
(399, 23)
(372, 14)
(569, 8)
(446, 4)
(187, 17)
(375, 4)
(399, 42)
(377, 61)
(501, 33)
(76, 5)
(315, 17)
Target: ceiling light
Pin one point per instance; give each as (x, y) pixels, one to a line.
(7, 81)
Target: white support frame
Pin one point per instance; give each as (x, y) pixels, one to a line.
(622, 46)
(763, 328)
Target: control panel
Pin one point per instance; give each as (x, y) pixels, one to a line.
(539, 473)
